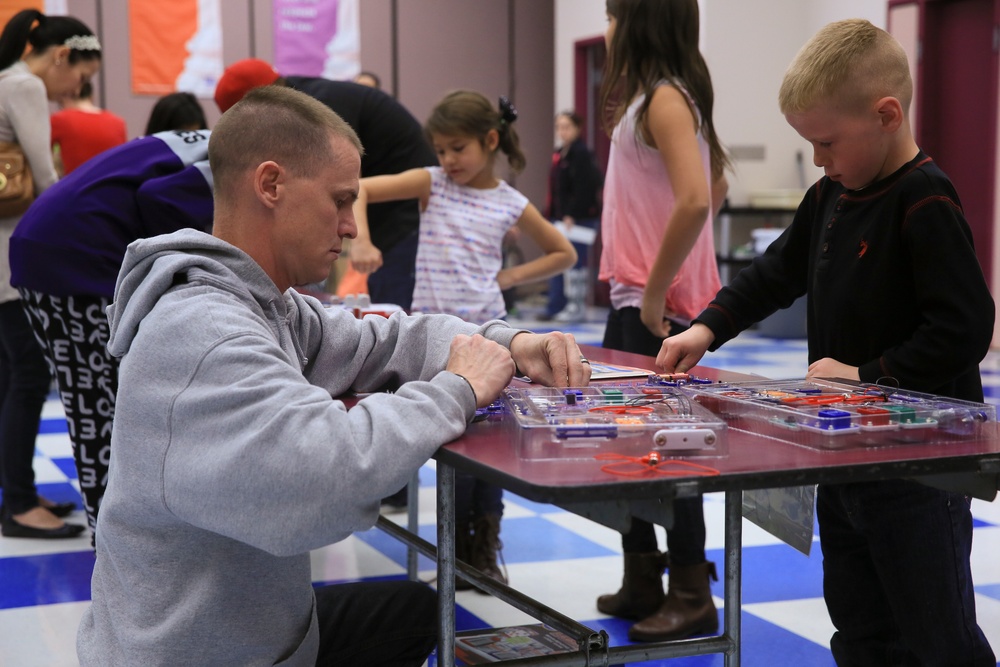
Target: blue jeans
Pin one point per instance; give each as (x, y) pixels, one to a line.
(475, 498)
(896, 575)
(24, 384)
(686, 538)
(557, 294)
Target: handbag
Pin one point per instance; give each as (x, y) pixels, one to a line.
(17, 187)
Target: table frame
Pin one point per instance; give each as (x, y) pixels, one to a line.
(613, 505)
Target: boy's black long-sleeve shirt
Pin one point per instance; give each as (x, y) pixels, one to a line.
(893, 283)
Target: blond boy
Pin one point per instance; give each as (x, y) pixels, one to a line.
(882, 250)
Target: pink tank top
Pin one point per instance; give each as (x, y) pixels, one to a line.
(638, 201)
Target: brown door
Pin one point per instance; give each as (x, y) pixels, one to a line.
(957, 105)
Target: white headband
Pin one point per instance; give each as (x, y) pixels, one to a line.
(83, 43)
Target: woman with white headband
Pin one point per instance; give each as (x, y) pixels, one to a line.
(42, 58)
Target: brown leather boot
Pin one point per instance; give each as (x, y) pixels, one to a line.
(463, 551)
(687, 609)
(642, 587)
(486, 547)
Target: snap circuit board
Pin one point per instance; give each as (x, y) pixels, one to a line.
(629, 418)
(823, 414)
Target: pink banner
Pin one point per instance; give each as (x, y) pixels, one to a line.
(316, 37)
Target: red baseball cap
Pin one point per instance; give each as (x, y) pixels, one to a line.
(240, 78)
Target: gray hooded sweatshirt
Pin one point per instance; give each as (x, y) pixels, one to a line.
(231, 460)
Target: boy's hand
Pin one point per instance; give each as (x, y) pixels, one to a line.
(487, 366)
(831, 368)
(553, 359)
(680, 353)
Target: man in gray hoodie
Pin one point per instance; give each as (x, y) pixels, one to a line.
(231, 459)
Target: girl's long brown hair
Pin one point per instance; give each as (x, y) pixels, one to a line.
(656, 40)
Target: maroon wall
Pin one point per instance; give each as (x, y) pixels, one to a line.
(495, 46)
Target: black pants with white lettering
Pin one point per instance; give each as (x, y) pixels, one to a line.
(73, 331)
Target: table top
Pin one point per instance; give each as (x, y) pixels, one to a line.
(492, 448)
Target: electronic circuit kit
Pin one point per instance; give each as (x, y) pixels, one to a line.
(828, 414)
(633, 418)
(681, 415)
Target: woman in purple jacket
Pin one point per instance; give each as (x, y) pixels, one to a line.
(65, 256)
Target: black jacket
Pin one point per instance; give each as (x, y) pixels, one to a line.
(574, 184)
(893, 283)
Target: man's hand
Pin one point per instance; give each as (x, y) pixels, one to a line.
(680, 353)
(831, 368)
(364, 256)
(552, 359)
(487, 366)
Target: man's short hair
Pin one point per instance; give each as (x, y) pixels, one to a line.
(849, 63)
(279, 124)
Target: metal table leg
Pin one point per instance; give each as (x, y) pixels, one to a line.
(412, 523)
(733, 575)
(446, 564)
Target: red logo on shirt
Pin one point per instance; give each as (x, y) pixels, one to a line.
(863, 248)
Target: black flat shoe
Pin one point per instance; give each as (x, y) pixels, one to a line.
(61, 510)
(11, 528)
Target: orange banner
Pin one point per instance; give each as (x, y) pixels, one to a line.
(10, 7)
(160, 32)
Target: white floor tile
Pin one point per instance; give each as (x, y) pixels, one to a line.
(46, 472)
(40, 636)
(54, 445)
(19, 547)
(988, 617)
(351, 559)
(806, 617)
(986, 556)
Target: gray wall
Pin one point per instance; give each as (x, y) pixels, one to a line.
(424, 47)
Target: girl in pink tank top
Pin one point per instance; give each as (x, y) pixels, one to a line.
(664, 182)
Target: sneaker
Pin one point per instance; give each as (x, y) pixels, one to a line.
(397, 502)
(572, 313)
(393, 506)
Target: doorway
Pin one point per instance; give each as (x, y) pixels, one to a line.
(588, 69)
(956, 105)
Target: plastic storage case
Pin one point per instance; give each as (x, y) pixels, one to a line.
(824, 414)
(633, 419)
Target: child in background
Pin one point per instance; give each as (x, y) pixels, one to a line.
(574, 199)
(886, 223)
(176, 111)
(663, 184)
(465, 213)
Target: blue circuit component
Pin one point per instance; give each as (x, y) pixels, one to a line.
(833, 419)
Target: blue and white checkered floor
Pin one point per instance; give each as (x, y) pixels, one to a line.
(561, 559)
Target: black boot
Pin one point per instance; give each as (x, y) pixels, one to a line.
(688, 608)
(486, 547)
(642, 587)
(463, 551)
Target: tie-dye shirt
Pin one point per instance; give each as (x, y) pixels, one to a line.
(460, 251)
